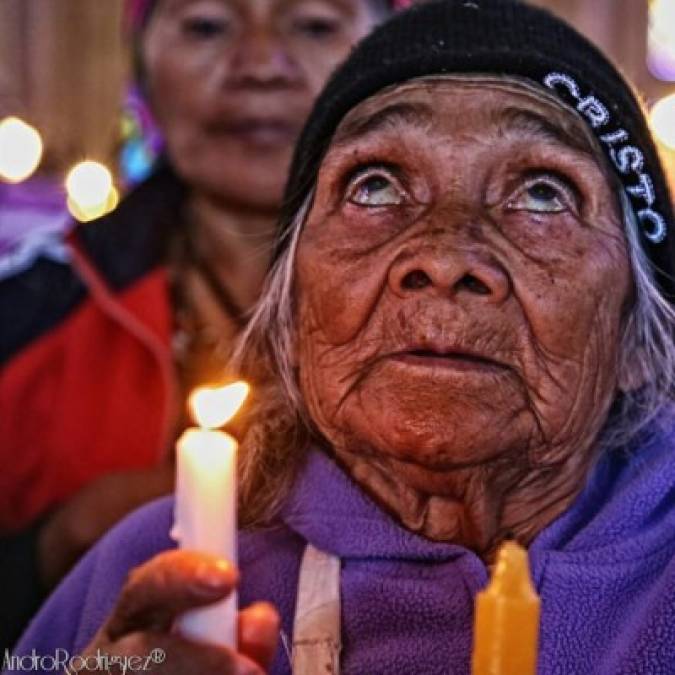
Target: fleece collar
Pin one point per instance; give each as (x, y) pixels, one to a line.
(623, 513)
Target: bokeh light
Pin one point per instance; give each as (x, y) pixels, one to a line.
(88, 184)
(20, 150)
(87, 213)
(661, 39)
(662, 119)
(91, 192)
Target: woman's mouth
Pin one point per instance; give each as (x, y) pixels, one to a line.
(451, 360)
(264, 133)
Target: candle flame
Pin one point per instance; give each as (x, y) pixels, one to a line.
(214, 406)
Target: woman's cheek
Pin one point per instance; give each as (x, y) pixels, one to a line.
(341, 273)
(337, 303)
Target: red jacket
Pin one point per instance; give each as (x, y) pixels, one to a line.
(86, 376)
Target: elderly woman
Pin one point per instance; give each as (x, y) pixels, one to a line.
(469, 319)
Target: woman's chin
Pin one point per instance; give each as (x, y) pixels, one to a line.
(262, 194)
(254, 182)
(437, 439)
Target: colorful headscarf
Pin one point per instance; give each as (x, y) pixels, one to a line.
(136, 13)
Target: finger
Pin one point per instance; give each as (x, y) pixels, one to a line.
(171, 653)
(259, 633)
(166, 586)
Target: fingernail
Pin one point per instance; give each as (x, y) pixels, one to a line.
(216, 574)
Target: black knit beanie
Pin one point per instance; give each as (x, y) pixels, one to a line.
(503, 37)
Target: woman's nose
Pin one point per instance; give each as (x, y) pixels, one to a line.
(449, 272)
(263, 60)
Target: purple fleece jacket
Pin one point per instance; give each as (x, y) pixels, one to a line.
(605, 571)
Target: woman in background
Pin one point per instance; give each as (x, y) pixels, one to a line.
(102, 352)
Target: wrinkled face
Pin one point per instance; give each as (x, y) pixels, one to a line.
(461, 280)
(232, 81)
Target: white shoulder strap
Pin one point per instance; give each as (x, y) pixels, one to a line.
(316, 628)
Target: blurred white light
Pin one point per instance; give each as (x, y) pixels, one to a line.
(91, 193)
(662, 16)
(85, 214)
(20, 150)
(88, 184)
(662, 118)
(661, 39)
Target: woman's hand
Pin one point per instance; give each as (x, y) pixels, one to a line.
(163, 588)
(78, 524)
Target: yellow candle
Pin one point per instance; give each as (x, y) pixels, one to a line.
(506, 626)
(205, 510)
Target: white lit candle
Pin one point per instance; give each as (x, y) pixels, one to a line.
(206, 502)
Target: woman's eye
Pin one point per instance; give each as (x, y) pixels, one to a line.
(316, 27)
(544, 194)
(204, 27)
(374, 189)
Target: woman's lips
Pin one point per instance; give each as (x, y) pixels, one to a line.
(452, 360)
(261, 132)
